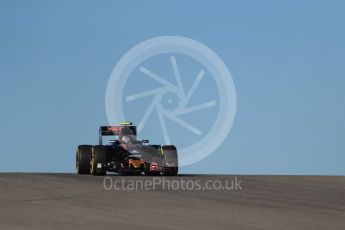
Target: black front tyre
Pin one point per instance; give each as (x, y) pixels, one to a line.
(170, 171)
(98, 160)
(170, 160)
(83, 156)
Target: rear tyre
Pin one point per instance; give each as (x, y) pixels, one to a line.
(83, 156)
(98, 160)
(170, 160)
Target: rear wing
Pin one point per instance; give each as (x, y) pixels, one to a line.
(116, 131)
(109, 130)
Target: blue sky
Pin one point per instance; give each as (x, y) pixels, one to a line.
(286, 58)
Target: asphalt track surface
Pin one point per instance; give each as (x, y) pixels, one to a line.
(68, 201)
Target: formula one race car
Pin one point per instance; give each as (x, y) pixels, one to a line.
(126, 155)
